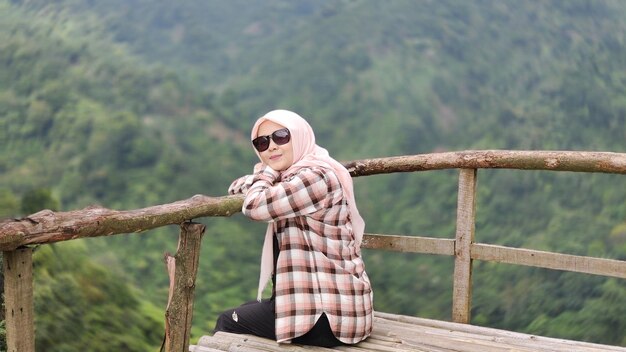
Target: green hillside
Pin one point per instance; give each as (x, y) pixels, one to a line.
(129, 104)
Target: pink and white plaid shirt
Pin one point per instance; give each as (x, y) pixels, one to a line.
(319, 268)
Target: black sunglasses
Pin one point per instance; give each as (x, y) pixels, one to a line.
(279, 137)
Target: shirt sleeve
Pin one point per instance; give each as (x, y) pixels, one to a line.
(240, 185)
(269, 199)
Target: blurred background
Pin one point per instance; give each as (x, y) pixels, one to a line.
(133, 103)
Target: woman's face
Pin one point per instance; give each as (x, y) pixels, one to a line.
(278, 157)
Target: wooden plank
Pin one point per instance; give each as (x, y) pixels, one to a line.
(549, 260)
(474, 340)
(405, 333)
(18, 300)
(48, 227)
(465, 224)
(577, 161)
(224, 341)
(452, 327)
(182, 270)
(196, 348)
(451, 341)
(412, 244)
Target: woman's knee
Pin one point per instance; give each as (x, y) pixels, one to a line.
(224, 321)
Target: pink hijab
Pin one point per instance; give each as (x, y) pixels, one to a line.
(305, 154)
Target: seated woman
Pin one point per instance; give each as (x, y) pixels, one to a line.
(321, 293)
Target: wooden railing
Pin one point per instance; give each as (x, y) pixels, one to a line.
(48, 227)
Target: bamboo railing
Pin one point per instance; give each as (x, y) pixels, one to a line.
(48, 227)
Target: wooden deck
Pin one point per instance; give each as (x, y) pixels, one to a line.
(403, 333)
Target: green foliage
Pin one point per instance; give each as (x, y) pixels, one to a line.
(132, 104)
(9, 204)
(81, 306)
(38, 199)
(597, 317)
(3, 334)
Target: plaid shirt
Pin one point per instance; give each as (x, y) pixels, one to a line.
(319, 268)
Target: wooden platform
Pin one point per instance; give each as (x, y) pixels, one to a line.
(402, 333)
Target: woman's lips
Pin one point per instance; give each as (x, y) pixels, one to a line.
(275, 157)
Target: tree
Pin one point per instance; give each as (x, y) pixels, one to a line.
(9, 204)
(38, 199)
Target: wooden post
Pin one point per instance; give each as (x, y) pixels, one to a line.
(465, 221)
(18, 300)
(182, 270)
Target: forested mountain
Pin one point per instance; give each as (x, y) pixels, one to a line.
(135, 103)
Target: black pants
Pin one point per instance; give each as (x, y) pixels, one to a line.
(258, 318)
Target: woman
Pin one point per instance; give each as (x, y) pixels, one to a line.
(321, 294)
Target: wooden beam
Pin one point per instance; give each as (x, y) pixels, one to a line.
(577, 161)
(549, 260)
(18, 300)
(465, 224)
(182, 270)
(411, 244)
(49, 227)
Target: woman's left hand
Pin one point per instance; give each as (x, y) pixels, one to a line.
(240, 185)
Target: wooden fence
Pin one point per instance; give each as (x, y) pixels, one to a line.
(48, 227)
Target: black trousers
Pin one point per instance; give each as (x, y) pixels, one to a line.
(258, 318)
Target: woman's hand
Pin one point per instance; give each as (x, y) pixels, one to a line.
(240, 185)
(259, 167)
